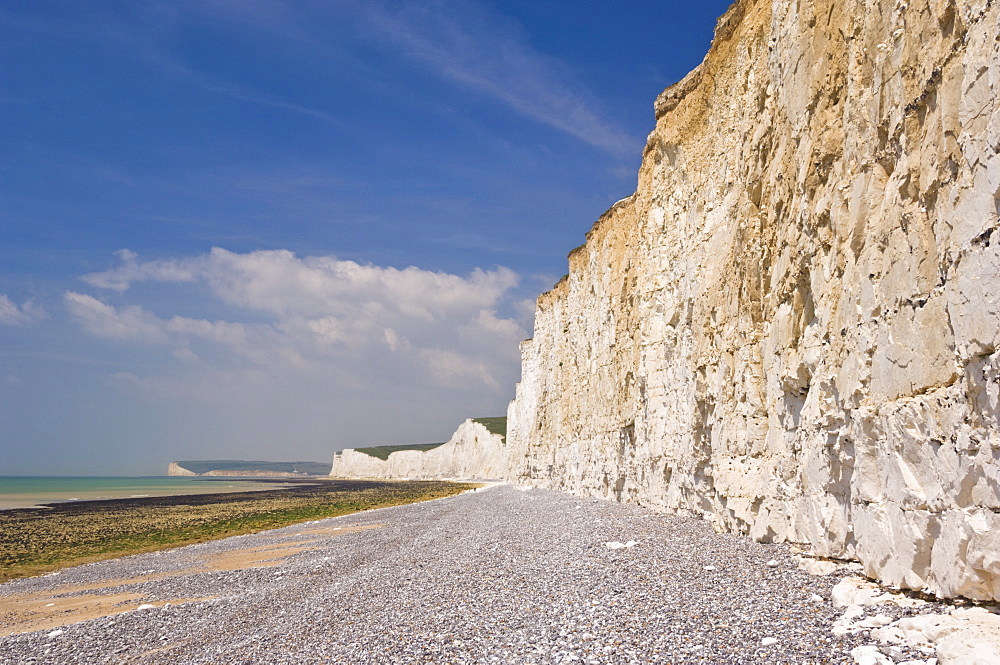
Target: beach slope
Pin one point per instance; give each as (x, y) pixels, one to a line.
(495, 575)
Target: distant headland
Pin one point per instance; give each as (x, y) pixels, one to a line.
(245, 468)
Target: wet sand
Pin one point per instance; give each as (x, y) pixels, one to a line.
(138, 488)
(63, 604)
(38, 540)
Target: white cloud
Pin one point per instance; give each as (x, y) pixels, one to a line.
(17, 315)
(103, 320)
(452, 369)
(278, 282)
(319, 313)
(130, 271)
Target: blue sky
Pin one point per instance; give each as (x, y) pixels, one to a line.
(271, 229)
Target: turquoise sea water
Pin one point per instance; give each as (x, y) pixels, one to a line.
(27, 491)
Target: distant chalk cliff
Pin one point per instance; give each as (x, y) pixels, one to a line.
(247, 468)
(174, 469)
(475, 451)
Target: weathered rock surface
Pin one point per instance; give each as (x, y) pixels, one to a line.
(472, 452)
(792, 327)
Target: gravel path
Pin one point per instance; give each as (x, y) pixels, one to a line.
(495, 576)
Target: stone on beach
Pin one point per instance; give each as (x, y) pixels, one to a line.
(965, 636)
(870, 655)
(498, 574)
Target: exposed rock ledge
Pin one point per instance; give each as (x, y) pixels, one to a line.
(792, 328)
(472, 452)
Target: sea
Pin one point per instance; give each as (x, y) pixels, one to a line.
(29, 491)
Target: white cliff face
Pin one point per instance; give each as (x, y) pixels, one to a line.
(792, 328)
(473, 452)
(174, 469)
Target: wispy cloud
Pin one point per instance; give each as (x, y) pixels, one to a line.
(12, 314)
(172, 66)
(466, 43)
(462, 41)
(145, 31)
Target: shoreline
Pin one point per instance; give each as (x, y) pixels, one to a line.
(41, 539)
(27, 498)
(499, 576)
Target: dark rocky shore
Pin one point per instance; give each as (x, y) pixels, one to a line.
(494, 576)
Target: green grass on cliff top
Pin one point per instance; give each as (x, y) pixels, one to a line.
(203, 466)
(383, 452)
(495, 425)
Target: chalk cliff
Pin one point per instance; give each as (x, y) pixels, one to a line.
(175, 469)
(246, 468)
(791, 328)
(472, 452)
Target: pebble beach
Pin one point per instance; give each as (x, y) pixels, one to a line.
(497, 575)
